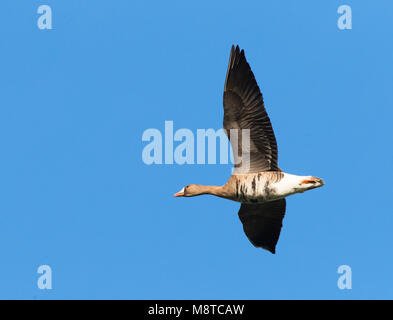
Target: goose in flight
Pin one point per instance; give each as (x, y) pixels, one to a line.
(257, 182)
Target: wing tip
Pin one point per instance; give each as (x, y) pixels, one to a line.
(235, 50)
(264, 246)
(273, 250)
(270, 249)
(235, 58)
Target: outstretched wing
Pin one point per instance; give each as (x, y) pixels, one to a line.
(244, 109)
(262, 222)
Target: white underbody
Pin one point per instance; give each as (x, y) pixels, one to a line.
(266, 190)
(289, 185)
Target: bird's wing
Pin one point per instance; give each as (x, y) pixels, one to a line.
(262, 222)
(244, 109)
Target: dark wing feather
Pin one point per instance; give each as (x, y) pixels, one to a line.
(244, 109)
(262, 222)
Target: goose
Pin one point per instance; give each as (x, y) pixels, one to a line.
(256, 181)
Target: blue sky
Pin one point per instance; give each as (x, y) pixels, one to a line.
(75, 194)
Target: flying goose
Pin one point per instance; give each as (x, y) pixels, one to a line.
(257, 182)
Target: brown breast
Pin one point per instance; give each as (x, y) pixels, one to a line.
(253, 187)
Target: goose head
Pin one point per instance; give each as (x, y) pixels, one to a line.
(190, 190)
